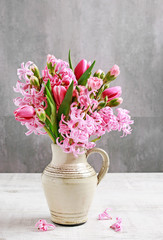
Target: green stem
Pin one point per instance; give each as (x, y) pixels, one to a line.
(50, 134)
(48, 118)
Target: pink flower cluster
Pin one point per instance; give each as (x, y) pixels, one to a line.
(60, 79)
(85, 121)
(31, 100)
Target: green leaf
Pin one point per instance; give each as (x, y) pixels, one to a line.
(51, 110)
(65, 105)
(69, 59)
(108, 78)
(83, 79)
(53, 124)
(99, 92)
(101, 105)
(48, 92)
(48, 84)
(48, 109)
(96, 139)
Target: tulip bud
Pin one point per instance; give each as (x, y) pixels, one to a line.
(35, 70)
(34, 81)
(41, 114)
(115, 102)
(59, 93)
(82, 66)
(112, 93)
(24, 113)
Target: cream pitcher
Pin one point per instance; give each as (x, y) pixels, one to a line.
(69, 185)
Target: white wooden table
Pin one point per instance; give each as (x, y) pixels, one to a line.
(135, 197)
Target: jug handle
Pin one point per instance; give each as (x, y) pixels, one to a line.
(105, 164)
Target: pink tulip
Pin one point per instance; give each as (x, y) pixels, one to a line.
(24, 113)
(112, 93)
(82, 66)
(59, 93)
(114, 71)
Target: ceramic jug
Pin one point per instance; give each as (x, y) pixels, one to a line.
(69, 185)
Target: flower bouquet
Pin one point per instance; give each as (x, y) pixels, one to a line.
(70, 105)
(75, 108)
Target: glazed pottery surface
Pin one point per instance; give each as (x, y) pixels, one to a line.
(69, 184)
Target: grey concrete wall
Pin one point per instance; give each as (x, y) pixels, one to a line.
(128, 33)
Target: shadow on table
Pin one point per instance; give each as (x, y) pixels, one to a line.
(13, 223)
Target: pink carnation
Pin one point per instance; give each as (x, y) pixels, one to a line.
(114, 71)
(94, 83)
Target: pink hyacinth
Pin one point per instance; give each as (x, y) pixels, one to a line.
(124, 121)
(86, 101)
(94, 83)
(32, 100)
(81, 91)
(76, 132)
(58, 62)
(117, 226)
(109, 120)
(42, 225)
(67, 76)
(63, 74)
(34, 126)
(24, 71)
(81, 67)
(114, 71)
(46, 75)
(85, 122)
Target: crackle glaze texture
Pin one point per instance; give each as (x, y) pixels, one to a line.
(69, 185)
(128, 33)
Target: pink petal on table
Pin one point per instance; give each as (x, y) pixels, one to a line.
(117, 226)
(42, 225)
(105, 215)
